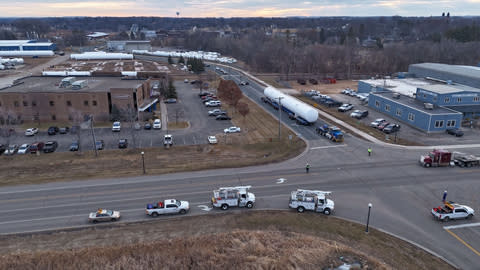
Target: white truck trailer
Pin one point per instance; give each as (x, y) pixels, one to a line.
(312, 200)
(239, 196)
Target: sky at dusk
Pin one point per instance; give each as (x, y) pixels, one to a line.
(236, 8)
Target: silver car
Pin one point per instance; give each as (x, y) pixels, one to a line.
(103, 215)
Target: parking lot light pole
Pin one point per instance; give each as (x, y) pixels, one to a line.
(368, 217)
(143, 161)
(93, 136)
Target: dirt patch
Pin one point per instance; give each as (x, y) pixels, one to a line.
(333, 88)
(239, 240)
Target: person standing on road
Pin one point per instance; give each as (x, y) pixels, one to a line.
(307, 168)
(369, 151)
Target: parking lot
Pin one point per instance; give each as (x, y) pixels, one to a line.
(189, 108)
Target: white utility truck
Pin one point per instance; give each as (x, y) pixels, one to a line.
(226, 197)
(170, 206)
(312, 200)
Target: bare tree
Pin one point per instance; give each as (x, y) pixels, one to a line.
(229, 92)
(243, 109)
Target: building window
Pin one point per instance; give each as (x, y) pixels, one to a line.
(399, 112)
(94, 103)
(16, 104)
(52, 103)
(387, 107)
(34, 103)
(411, 117)
(377, 103)
(439, 124)
(459, 100)
(70, 118)
(69, 103)
(447, 100)
(451, 123)
(25, 104)
(476, 99)
(424, 96)
(54, 117)
(85, 103)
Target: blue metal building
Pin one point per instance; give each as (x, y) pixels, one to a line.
(440, 97)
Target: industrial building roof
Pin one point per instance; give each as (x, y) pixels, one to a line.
(406, 87)
(454, 70)
(449, 88)
(52, 84)
(414, 103)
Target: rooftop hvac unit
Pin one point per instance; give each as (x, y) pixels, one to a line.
(79, 84)
(428, 106)
(396, 95)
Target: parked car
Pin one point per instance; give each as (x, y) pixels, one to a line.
(455, 131)
(147, 126)
(383, 125)
(244, 83)
(122, 143)
(231, 130)
(223, 117)
(377, 122)
(52, 130)
(103, 215)
(359, 114)
(63, 130)
(213, 103)
(157, 124)
(185, 81)
(74, 146)
(167, 140)
(99, 145)
(2, 148)
(31, 131)
(313, 81)
(347, 91)
(23, 149)
(50, 147)
(392, 128)
(116, 126)
(345, 107)
(216, 112)
(11, 150)
(170, 100)
(36, 147)
(212, 139)
(202, 94)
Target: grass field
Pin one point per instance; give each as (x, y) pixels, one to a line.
(237, 240)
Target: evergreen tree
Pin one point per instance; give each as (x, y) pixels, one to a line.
(170, 60)
(181, 60)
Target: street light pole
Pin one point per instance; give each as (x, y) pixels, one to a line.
(368, 217)
(93, 136)
(143, 161)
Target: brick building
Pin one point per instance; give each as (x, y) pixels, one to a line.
(47, 99)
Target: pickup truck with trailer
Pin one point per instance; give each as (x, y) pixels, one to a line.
(312, 200)
(451, 210)
(239, 196)
(170, 206)
(330, 132)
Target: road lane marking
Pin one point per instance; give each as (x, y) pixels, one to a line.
(461, 226)
(330, 146)
(463, 242)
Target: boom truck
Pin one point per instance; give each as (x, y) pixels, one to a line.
(439, 158)
(313, 200)
(239, 196)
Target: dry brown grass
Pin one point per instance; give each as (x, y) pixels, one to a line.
(242, 240)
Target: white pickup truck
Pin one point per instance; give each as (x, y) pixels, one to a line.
(452, 210)
(226, 197)
(170, 206)
(313, 200)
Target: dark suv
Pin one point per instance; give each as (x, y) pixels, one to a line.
(52, 130)
(50, 147)
(123, 143)
(455, 131)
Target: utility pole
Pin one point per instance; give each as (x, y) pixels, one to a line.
(279, 117)
(93, 136)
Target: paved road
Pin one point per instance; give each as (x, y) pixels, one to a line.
(402, 194)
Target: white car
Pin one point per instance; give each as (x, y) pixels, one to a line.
(31, 131)
(231, 130)
(377, 122)
(212, 140)
(345, 107)
(157, 124)
(116, 126)
(213, 103)
(23, 149)
(167, 139)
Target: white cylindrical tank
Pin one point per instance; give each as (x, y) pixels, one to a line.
(26, 53)
(101, 56)
(2, 67)
(54, 73)
(78, 73)
(300, 108)
(14, 61)
(129, 73)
